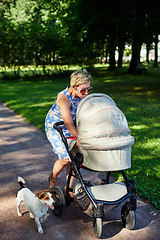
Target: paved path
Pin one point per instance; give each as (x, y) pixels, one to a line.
(25, 151)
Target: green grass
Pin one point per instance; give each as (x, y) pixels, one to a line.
(138, 96)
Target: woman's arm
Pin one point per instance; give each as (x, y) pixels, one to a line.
(64, 106)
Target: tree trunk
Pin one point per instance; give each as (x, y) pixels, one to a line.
(156, 52)
(112, 49)
(112, 61)
(101, 56)
(106, 56)
(137, 38)
(147, 52)
(135, 58)
(120, 57)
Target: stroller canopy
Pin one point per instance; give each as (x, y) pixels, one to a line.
(102, 127)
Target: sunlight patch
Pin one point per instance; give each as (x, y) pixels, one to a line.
(110, 80)
(157, 171)
(138, 88)
(142, 126)
(40, 104)
(152, 143)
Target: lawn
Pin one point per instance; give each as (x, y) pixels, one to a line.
(138, 96)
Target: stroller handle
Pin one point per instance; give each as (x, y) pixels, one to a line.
(57, 125)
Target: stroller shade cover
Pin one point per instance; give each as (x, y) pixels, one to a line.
(103, 134)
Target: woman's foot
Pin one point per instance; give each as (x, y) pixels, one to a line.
(71, 194)
(52, 181)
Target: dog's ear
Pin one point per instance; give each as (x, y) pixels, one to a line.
(38, 194)
(48, 191)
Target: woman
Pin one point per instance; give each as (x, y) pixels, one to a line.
(64, 109)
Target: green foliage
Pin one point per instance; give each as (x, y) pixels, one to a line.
(29, 33)
(51, 32)
(137, 96)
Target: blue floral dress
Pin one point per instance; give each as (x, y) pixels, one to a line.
(54, 115)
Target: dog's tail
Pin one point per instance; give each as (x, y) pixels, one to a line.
(21, 182)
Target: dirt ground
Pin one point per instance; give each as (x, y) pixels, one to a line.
(25, 151)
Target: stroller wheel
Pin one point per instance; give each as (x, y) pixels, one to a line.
(60, 203)
(98, 227)
(128, 217)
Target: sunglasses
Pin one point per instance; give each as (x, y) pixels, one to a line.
(84, 90)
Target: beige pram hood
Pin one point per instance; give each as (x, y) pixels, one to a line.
(103, 134)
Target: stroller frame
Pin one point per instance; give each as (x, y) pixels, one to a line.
(128, 209)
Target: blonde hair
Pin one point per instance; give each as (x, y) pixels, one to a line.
(79, 77)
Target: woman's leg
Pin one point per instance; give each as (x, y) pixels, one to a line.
(71, 181)
(59, 165)
(67, 173)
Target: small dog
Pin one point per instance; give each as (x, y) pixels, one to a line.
(37, 205)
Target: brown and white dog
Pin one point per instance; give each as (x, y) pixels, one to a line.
(37, 204)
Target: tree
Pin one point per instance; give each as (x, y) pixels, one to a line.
(47, 32)
(155, 22)
(139, 13)
(145, 26)
(29, 32)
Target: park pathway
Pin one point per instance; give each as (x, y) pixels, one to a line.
(25, 151)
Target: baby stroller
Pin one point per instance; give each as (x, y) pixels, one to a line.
(104, 144)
